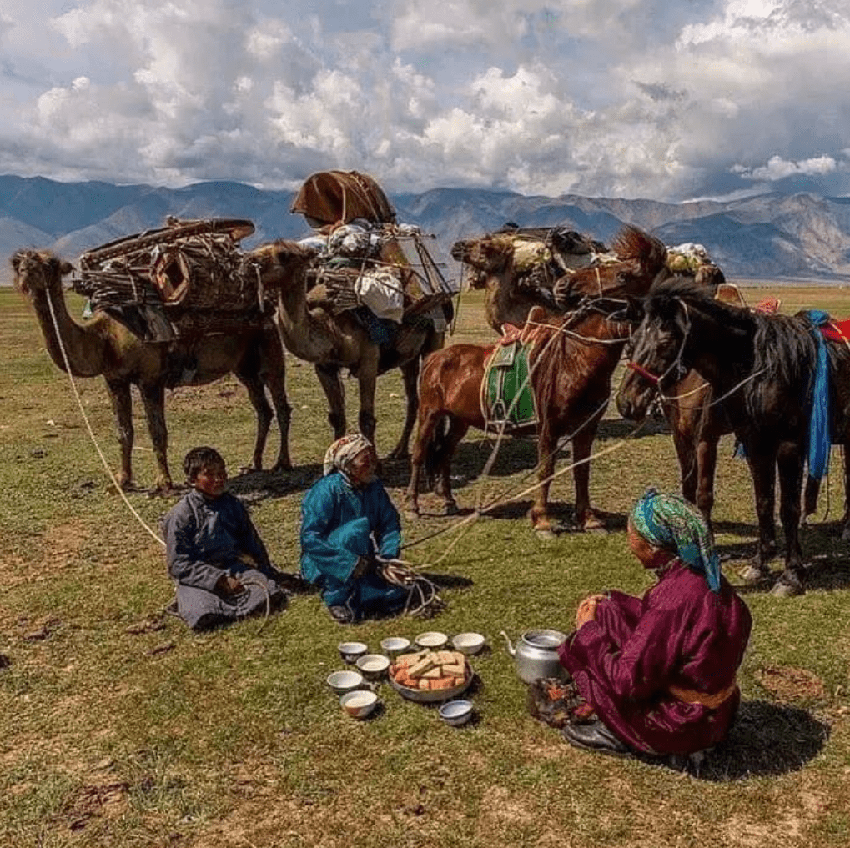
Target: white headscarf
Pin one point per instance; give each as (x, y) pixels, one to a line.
(343, 450)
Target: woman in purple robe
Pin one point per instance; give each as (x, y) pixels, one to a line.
(658, 673)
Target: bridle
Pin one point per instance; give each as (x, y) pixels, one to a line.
(676, 368)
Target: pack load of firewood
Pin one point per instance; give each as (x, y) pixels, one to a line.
(188, 268)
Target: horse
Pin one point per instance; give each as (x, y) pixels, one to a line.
(761, 367)
(570, 368)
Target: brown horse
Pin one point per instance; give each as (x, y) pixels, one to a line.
(570, 366)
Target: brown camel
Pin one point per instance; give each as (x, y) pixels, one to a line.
(639, 258)
(332, 342)
(506, 299)
(103, 346)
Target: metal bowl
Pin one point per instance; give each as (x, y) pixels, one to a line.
(346, 681)
(468, 643)
(394, 645)
(431, 639)
(373, 666)
(456, 712)
(350, 651)
(360, 703)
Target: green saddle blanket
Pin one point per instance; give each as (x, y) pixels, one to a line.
(507, 396)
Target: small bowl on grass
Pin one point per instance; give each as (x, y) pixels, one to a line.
(373, 666)
(394, 645)
(360, 703)
(343, 682)
(456, 713)
(431, 639)
(468, 643)
(351, 651)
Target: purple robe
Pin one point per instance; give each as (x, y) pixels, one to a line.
(679, 634)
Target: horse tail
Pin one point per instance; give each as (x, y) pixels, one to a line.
(438, 448)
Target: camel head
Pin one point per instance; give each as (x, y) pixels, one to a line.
(38, 270)
(280, 262)
(486, 256)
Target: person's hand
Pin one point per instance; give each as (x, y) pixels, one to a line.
(228, 585)
(587, 610)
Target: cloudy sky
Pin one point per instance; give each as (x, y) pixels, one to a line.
(627, 98)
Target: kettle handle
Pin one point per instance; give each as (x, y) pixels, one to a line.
(511, 649)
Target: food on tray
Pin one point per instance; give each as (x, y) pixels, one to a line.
(430, 670)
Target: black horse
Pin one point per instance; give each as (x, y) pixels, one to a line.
(762, 369)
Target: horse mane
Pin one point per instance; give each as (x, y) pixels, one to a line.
(783, 346)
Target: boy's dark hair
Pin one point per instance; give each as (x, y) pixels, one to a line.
(199, 458)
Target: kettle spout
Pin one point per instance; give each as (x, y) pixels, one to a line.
(511, 649)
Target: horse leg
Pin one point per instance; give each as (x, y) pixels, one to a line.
(539, 513)
(845, 533)
(762, 462)
(410, 375)
(334, 389)
(706, 468)
(586, 517)
(789, 460)
(122, 408)
(153, 398)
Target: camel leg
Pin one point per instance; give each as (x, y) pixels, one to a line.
(586, 517)
(334, 389)
(845, 533)
(368, 380)
(789, 460)
(410, 374)
(153, 398)
(122, 408)
(273, 375)
(263, 410)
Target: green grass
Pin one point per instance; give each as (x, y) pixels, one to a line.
(232, 738)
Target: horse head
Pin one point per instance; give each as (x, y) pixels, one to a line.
(655, 352)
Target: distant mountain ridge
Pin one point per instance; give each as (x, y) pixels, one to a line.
(770, 236)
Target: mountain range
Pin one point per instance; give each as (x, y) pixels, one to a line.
(774, 236)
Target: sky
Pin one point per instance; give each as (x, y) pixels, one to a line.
(605, 98)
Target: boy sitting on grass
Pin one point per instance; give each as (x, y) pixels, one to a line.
(214, 553)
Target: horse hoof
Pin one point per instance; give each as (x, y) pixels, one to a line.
(594, 524)
(450, 509)
(787, 588)
(752, 575)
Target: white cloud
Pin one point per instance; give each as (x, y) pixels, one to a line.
(590, 96)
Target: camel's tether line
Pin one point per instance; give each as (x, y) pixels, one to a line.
(89, 427)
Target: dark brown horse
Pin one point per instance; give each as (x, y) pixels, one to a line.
(761, 367)
(571, 365)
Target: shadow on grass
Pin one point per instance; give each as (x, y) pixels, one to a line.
(766, 739)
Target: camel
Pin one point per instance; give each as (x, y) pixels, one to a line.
(506, 299)
(310, 331)
(103, 346)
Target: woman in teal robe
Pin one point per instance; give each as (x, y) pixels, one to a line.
(347, 520)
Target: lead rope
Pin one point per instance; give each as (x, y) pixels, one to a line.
(88, 424)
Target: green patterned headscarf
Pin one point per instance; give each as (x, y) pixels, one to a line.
(668, 521)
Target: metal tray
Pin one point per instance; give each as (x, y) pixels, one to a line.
(427, 696)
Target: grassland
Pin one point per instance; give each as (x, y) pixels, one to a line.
(121, 728)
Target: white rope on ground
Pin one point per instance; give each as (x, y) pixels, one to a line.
(88, 424)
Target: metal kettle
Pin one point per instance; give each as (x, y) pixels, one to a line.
(536, 654)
